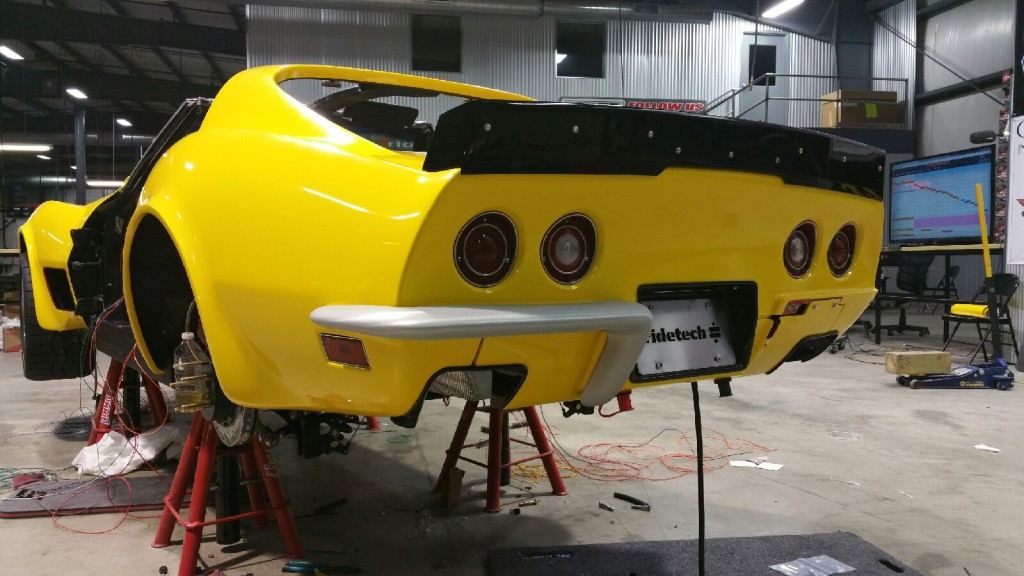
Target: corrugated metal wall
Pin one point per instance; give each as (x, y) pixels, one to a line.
(816, 58)
(973, 39)
(659, 59)
(893, 57)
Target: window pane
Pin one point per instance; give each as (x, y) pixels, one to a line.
(436, 43)
(579, 49)
(762, 61)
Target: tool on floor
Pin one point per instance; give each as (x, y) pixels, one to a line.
(995, 374)
(322, 568)
(637, 503)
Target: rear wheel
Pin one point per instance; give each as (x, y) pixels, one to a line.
(48, 354)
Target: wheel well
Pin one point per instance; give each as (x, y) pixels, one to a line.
(160, 290)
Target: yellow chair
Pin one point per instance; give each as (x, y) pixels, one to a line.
(976, 312)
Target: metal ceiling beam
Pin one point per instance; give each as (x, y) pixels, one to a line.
(31, 22)
(179, 16)
(142, 122)
(105, 86)
(239, 15)
(133, 69)
(117, 7)
(218, 73)
(169, 63)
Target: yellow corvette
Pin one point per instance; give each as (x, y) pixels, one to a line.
(343, 257)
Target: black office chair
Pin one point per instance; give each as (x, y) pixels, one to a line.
(1005, 285)
(912, 278)
(947, 282)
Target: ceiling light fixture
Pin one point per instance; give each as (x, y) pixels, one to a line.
(10, 54)
(75, 92)
(124, 122)
(42, 157)
(781, 8)
(25, 147)
(104, 183)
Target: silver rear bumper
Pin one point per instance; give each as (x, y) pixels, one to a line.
(627, 324)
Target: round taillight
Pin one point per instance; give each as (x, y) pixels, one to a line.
(799, 248)
(567, 250)
(840, 250)
(485, 249)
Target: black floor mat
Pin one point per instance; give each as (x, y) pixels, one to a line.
(724, 557)
(87, 496)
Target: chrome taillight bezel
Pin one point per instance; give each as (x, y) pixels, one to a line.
(848, 232)
(807, 231)
(473, 273)
(583, 230)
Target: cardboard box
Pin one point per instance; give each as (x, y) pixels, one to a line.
(12, 339)
(861, 96)
(917, 363)
(862, 114)
(12, 304)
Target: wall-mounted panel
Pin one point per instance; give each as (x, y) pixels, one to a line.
(973, 39)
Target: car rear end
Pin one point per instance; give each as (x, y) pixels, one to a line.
(711, 247)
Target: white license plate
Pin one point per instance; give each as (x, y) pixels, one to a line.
(686, 335)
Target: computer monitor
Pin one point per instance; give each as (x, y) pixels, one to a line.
(932, 200)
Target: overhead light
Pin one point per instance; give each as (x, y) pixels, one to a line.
(42, 157)
(104, 183)
(75, 92)
(781, 8)
(559, 57)
(10, 54)
(124, 122)
(73, 167)
(25, 147)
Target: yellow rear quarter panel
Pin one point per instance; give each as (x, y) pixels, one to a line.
(46, 239)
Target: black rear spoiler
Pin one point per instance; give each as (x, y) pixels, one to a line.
(497, 137)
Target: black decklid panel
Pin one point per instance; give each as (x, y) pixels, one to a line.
(497, 137)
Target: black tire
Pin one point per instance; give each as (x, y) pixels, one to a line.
(903, 380)
(46, 354)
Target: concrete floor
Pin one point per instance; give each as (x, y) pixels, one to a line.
(893, 465)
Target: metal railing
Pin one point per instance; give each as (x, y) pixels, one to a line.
(818, 84)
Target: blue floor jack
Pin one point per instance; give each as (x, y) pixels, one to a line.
(995, 374)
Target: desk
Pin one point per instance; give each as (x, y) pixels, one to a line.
(946, 252)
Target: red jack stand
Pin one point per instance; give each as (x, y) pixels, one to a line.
(198, 456)
(109, 406)
(497, 463)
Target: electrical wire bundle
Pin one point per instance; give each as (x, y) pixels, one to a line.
(622, 461)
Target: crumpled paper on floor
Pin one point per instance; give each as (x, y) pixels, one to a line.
(760, 462)
(114, 454)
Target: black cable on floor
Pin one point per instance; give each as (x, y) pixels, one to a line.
(700, 479)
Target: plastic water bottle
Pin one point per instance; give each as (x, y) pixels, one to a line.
(193, 375)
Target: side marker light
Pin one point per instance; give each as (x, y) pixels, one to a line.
(345, 350)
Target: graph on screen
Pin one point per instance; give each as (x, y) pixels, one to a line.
(933, 200)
